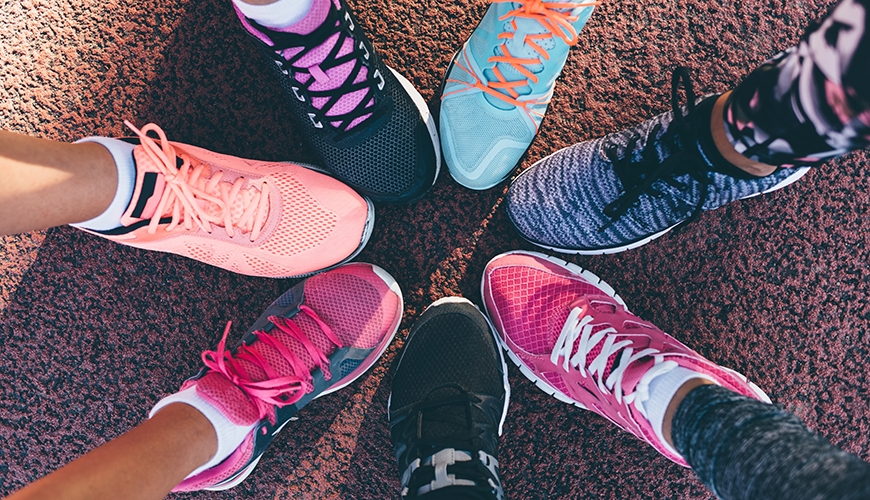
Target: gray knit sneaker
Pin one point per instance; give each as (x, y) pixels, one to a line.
(628, 188)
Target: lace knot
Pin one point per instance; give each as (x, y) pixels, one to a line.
(197, 196)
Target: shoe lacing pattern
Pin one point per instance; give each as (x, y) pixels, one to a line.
(289, 49)
(276, 390)
(556, 18)
(678, 141)
(471, 467)
(578, 325)
(196, 195)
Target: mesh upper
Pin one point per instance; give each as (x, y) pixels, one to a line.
(307, 224)
(525, 299)
(460, 353)
(449, 355)
(560, 200)
(397, 159)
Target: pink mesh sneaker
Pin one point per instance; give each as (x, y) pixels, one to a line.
(573, 337)
(251, 217)
(316, 338)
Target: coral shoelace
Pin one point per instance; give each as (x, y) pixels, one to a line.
(197, 195)
(556, 18)
(276, 389)
(551, 17)
(577, 326)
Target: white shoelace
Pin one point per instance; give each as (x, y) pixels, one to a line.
(577, 326)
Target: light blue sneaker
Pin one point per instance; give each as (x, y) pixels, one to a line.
(499, 85)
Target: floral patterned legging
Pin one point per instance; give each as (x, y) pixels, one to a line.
(810, 103)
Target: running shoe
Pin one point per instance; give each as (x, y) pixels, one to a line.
(572, 335)
(500, 83)
(629, 188)
(315, 339)
(372, 129)
(448, 404)
(266, 219)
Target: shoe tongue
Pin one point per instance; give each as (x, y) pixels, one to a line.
(277, 361)
(636, 369)
(150, 184)
(227, 398)
(518, 49)
(447, 423)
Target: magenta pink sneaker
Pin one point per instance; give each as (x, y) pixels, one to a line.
(316, 338)
(571, 334)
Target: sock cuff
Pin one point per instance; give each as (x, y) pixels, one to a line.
(279, 14)
(661, 392)
(229, 435)
(122, 153)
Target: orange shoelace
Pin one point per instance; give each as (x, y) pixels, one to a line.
(555, 17)
(197, 195)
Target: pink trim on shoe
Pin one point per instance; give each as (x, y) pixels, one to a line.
(572, 336)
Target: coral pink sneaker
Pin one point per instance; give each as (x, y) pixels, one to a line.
(251, 217)
(573, 337)
(318, 337)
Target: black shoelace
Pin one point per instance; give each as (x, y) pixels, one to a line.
(680, 139)
(373, 83)
(444, 423)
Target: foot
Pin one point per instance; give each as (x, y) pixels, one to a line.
(448, 404)
(500, 83)
(368, 123)
(251, 217)
(572, 335)
(626, 189)
(318, 337)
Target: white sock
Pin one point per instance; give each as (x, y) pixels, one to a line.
(279, 14)
(229, 435)
(661, 392)
(122, 152)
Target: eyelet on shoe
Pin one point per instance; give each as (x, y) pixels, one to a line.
(380, 77)
(349, 20)
(363, 47)
(296, 93)
(314, 122)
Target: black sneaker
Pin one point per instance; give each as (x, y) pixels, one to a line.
(448, 404)
(372, 129)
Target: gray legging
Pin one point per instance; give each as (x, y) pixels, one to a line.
(742, 448)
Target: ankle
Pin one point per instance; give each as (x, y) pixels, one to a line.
(280, 14)
(229, 435)
(726, 149)
(120, 154)
(681, 394)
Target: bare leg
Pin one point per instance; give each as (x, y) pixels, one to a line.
(145, 463)
(48, 183)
